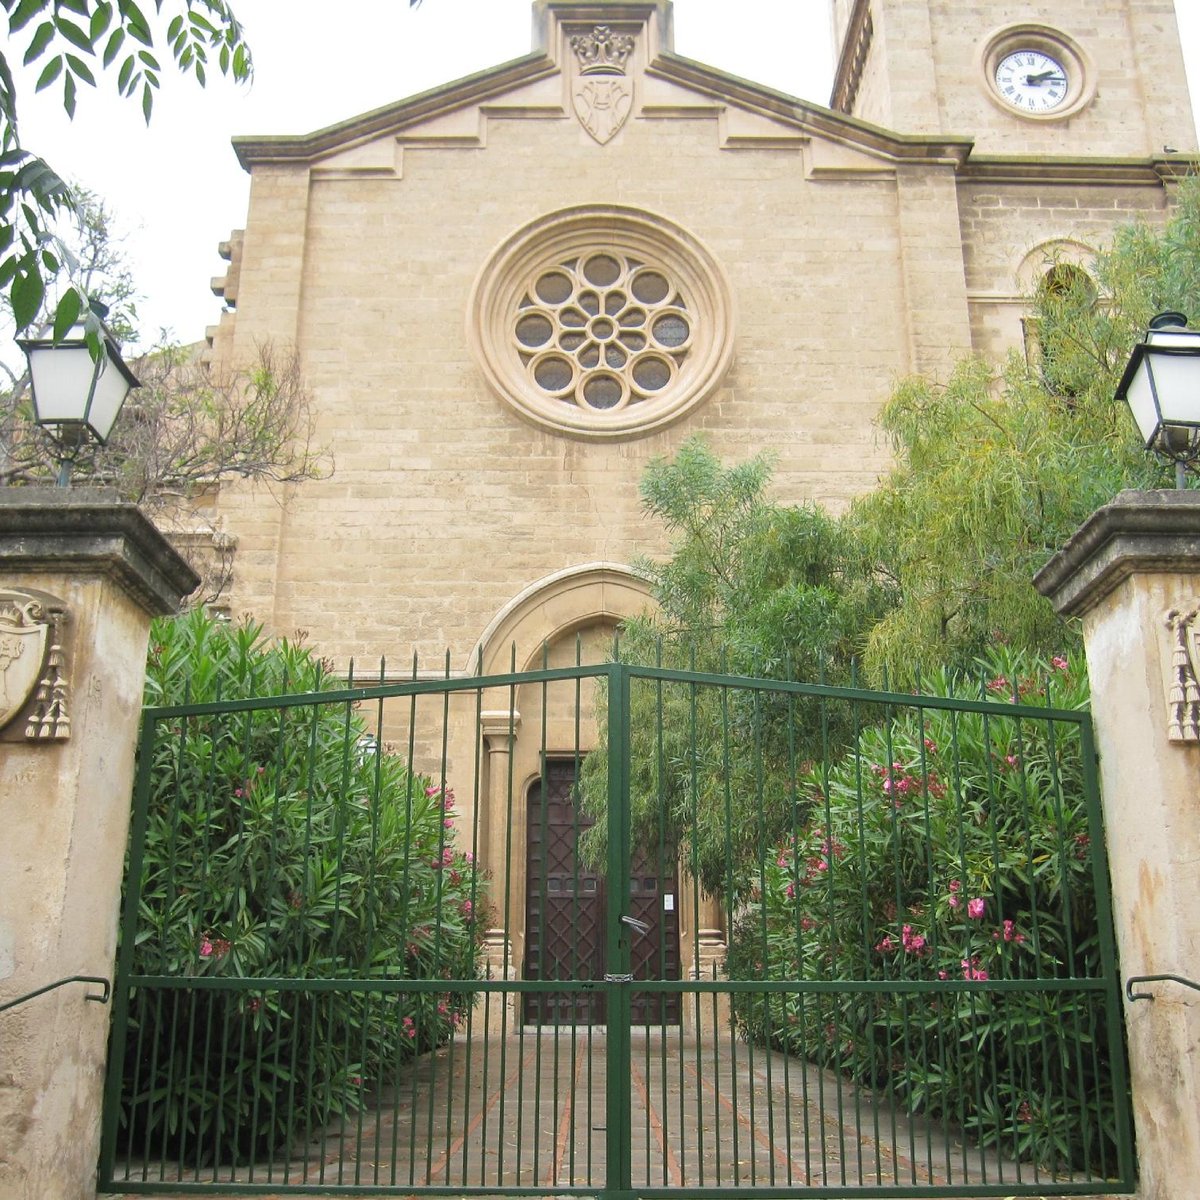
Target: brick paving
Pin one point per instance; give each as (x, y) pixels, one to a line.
(529, 1111)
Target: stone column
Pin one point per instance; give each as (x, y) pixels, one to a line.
(499, 728)
(1132, 573)
(81, 574)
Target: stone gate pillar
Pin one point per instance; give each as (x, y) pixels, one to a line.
(81, 574)
(1132, 573)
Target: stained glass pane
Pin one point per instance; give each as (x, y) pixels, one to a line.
(651, 287)
(601, 270)
(633, 341)
(651, 374)
(671, 330)
(553, 288)
(534, 330)
(602, 391)
(614, 356)
(614, 302)
(571, 341)
(590, 303)
(589, 356)
(553, 374)
(573, 317)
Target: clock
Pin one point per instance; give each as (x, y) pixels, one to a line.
(1036, 72)
(1031, 81)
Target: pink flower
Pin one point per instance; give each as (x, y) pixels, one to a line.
(975, 908)
(1059, 664)
(448, 822)
(433, 789)
(931, 745)
(999, 684)
(1012, 760)
(914, 943)
(467, 908)
(410, 1030)
(943, 975)
(790, 891)
(885, 944)
(206, 948)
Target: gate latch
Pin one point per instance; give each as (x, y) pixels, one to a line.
(641, 926)
(618, 978)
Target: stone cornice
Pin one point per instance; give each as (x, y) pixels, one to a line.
(254, 150)
(1145, 532)
(1077, 171)
(90, 531)
(805, 115)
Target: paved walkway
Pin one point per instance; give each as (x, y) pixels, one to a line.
(530, 1111)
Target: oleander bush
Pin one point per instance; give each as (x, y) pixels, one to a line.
(282, 843)
(952, 849)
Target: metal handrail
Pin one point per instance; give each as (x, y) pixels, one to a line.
(103, 998)
(1131, 995)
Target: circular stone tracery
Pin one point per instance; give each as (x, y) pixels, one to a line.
(601, 322)
(603, 331)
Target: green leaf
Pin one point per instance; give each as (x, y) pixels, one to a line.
(81, 69)
(69, 95)
(25, 12)
(26, 294)
(67, 313)
(42, 37)
(174, 28)
(200, 76)
(101, 19)
(75, 6)
(147, 102)
(49, 73)
(115, 42)
(135, 21)
(149, 60)
(74, 35)
(125, 76)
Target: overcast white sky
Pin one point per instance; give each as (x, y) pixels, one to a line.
(178, 191)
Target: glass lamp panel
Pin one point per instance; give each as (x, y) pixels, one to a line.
(1140, 398)
(61, 377)
(112, 386)
(1176, 376)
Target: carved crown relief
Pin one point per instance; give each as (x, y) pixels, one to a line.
(601, 93)
(33, 675)
(1182, 687)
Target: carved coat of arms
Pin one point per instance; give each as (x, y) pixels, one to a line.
(1182, 683)
(33, 677)
(602, 95)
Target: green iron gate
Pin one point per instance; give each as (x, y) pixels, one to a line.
(617, 931)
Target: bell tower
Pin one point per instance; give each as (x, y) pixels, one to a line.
(1063, 78)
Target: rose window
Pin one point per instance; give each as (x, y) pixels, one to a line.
(603, 331)
(601, 322)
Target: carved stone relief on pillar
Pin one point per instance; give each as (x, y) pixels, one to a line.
(33, 667)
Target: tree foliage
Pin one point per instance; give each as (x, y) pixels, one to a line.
(995, 469)
(72, 41)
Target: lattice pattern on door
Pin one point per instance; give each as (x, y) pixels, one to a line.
(565, 911)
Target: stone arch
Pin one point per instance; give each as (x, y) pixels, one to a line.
(554, 607)
(1046, 256)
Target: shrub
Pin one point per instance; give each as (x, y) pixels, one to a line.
(948, 848)
(282, 844)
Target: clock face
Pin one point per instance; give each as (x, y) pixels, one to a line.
(1031, 81)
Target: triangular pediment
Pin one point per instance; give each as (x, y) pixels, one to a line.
(604, 66)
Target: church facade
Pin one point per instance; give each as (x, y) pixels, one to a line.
(510, 294)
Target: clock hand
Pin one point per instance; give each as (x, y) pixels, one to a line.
(1044, 77)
